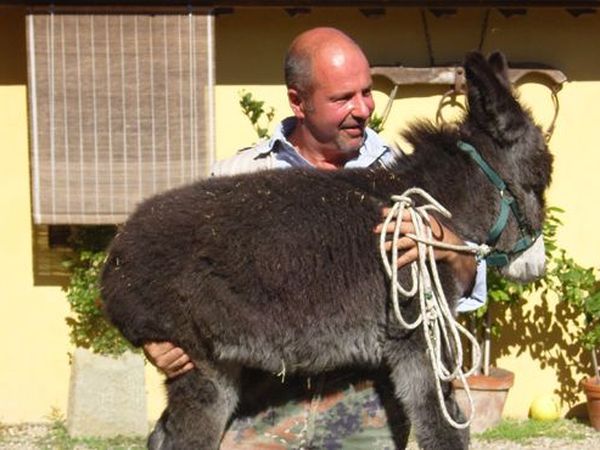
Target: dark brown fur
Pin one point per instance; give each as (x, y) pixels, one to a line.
(282, 267)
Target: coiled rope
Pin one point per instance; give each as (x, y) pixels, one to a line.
(439, 324)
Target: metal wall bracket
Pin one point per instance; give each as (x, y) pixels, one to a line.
(454, 77)
(447, 75)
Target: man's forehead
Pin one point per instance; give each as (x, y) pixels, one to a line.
(339, 72)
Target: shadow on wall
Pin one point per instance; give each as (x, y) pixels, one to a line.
(541, 331)
(13, 52)
(49, 255)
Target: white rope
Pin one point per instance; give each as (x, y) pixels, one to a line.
(439, 324)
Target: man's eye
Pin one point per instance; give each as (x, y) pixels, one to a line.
(343, 98)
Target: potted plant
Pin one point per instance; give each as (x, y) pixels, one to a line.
(579, 288)
(565, 280)
(490, 387)
(107, 391)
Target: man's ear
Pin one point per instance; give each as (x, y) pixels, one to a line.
(297, 103)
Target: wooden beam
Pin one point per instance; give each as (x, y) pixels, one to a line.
(436, 4)
(400, 75)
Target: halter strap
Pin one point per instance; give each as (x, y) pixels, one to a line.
(508, 204)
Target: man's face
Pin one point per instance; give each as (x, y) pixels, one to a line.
(337, 107)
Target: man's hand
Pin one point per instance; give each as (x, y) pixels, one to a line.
(463, 265)
(171, 360)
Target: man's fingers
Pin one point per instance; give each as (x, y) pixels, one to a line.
(385, 211)
(155, 352)
(402, 244)
(175, 363)
(186, 368)
(172, 357)
(179, 362)
(407, 257)
(406, 226)
(408, 248)
(407, 245)
(158, 348)
(171, 360)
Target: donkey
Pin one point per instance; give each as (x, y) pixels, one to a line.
(281, 269)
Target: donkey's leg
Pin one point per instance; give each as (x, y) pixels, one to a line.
(397, 419)
(415, 387)
(200, 404)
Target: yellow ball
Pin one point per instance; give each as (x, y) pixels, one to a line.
(544, 407)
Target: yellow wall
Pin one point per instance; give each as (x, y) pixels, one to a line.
(34, 373)
(250, 46)
(34, 363)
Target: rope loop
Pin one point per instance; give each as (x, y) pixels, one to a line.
(442, 331)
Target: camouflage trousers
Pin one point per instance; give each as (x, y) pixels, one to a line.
(330, 412)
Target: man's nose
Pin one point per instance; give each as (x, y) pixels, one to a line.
(362, 107)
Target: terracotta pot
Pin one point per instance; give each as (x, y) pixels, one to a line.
(591, 387)
(489, 394)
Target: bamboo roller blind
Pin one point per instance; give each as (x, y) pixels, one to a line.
(120, 108)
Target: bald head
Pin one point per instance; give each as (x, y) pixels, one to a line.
(321, 46)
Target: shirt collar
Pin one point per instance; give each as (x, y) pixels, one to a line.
(372, 149)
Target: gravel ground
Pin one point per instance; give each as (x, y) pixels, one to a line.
(22, 436)
(26, 436)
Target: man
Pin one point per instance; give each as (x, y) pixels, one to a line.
(329, 91)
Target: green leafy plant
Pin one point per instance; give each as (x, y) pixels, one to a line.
(257, 113)
(376, 123)
(88, 326)
(578, 287)
(564, 279)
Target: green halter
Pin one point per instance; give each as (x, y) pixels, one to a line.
(507, 204)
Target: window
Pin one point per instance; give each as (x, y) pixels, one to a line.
(120, 108)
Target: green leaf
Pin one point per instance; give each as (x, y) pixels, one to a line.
(88, 326)
(255, 111)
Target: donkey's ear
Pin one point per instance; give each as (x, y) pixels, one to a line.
(498, 63)
(491, 103)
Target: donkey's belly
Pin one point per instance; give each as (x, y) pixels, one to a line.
(308, 353)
